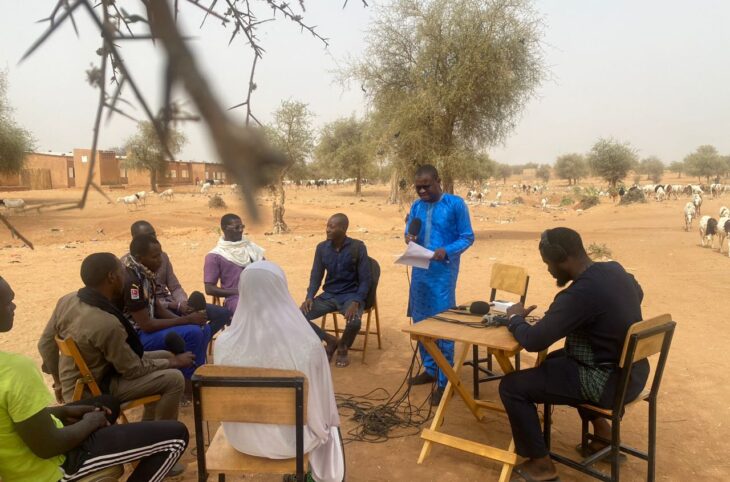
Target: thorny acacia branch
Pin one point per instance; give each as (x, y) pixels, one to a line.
(243, 151)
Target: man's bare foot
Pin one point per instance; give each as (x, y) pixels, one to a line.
(542, 469)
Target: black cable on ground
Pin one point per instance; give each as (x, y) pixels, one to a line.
(397, 416)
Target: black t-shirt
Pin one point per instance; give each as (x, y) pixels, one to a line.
(137, 295)
(602, 304)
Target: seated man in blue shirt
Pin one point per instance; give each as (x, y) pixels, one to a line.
(345, 288)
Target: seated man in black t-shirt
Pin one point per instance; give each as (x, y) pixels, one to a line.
(593, 314)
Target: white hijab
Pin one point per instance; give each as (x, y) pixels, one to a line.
(269, 331)
(241, 253)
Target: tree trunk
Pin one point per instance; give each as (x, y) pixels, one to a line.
(394, 196)
(448, 184)
(358, 185)
(277, 205)
(153, 180)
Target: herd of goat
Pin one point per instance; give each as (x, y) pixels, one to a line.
(709, 227)
(140, 198)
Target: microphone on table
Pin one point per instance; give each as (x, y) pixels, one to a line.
(475, 308)
(414, 227)
(174, 343)
(196, 301)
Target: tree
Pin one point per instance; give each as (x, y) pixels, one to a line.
(653, 168)
(503, 172)
(291, 132)
(543, 172)
(572, 167)
(344, 148)
(15, 141)
(146, 152)
(477, 168)
(705, 162)
(611, 160)
(445, 77)
(677, 167)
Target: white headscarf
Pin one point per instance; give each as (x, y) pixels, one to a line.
(269, 331)
(241, 253)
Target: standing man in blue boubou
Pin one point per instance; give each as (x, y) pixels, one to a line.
(445, 229)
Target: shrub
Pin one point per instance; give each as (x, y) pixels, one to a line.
(588, 201)
(633, 196)
(598, 251)
(518, 200)
(567, 201)
(217, 202)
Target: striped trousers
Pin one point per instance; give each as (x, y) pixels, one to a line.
(156, 445)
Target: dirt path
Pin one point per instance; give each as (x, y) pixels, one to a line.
(676, 274)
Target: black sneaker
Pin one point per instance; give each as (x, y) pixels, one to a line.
(436, 396)
(422, 379)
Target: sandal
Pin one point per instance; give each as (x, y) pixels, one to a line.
(525, 476)
(185, 402)
(342, 360)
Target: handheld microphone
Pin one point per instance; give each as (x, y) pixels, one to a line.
(174, 343)
(196, 301)
(475, 308)
(414, 227)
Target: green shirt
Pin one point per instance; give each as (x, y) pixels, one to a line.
(23, 394)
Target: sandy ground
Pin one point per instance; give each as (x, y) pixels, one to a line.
(677, 276)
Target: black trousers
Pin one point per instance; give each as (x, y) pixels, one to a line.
(321, 307)
(156, 445)
(556, 382)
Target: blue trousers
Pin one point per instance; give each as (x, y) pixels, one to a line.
(196, 337)
(429, 364)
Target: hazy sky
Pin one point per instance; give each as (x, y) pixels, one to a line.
(654, 73)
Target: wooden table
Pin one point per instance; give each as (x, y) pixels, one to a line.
(501, 344)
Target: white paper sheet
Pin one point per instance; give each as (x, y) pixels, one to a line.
(416, 256)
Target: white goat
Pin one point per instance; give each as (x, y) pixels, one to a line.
(726, 228)
(697, 201)
(543, 203)
(167, 194)
(129, 200)
(708, 230)
(142, 196)
(722, 232)
(660, 194)
(16, 204)
(205, 188)
(689, 214)
(498, 197)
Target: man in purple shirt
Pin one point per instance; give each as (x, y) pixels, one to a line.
(225, 262)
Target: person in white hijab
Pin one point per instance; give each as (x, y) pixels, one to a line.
(269, 331)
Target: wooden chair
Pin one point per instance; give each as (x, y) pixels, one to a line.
(511, 279)
(644, 339)
(371, 306)
(215, 300)
(87, 382)
(248, 395)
